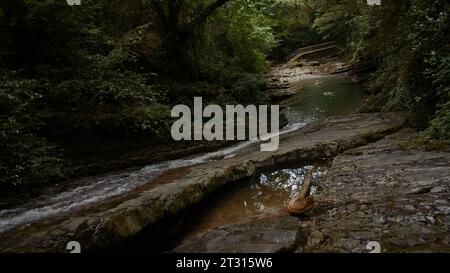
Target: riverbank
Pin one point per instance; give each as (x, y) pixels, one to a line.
(96, 159)
(105, 223)
(283, 80)
(387, 192)
(148, 208)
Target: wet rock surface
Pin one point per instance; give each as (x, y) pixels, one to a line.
(398, 196)
(383, 192)
(258, 235)
(112, 221)
(283, 80)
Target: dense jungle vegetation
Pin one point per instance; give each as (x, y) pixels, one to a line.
(114, 68)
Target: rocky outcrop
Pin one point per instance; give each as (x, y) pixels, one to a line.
(284, 81)
(387, 192)
(116, 219)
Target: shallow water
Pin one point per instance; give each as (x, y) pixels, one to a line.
(270, 192)
(324, 97)
(267, 193)
(308, 105)
(95, 189)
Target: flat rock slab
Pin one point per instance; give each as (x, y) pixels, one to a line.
(388, 192)
(282, 81)
(383, 192)
(117, 219)
(269, 235)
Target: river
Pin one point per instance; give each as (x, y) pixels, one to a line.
(317, 98)
(270, 191)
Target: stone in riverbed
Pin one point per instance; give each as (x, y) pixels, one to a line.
(266, 235)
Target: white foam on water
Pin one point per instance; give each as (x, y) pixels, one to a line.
(96, 189)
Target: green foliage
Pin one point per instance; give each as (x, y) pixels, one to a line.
(73, 80)
(412, 40)
(249, 33)
(440, 126)
(234, 39)
(248, 89)
(439, 73)
(25, 157)
(333, 24)
(292, 24)
(113, 68)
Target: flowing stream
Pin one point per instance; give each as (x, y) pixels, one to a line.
(270, 191)
(322, 97)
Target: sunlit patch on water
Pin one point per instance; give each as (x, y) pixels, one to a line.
(268, 193)
(286, 182)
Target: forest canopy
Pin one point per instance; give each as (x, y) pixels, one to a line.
(116, 67)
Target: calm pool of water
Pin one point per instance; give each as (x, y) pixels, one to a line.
(267, 193)
(271, 191)
(324, 97)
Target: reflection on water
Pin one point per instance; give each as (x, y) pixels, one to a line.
(267, 193)
(318, 98)
(96, 189)
(324, 97)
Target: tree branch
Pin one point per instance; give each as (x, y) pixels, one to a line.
(207, 12)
